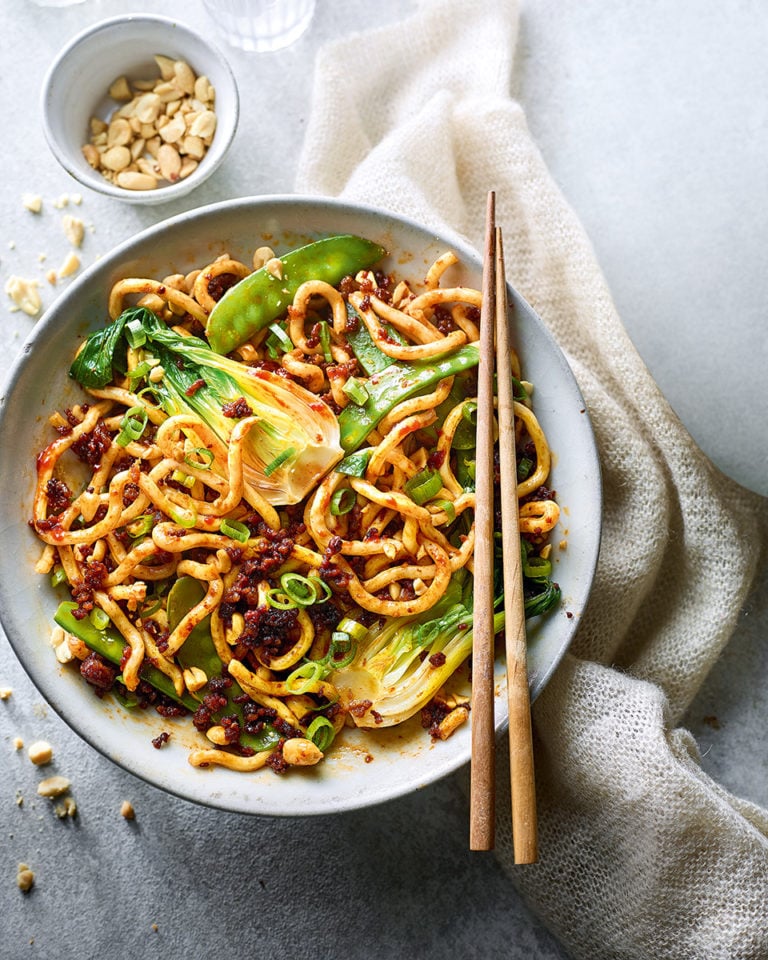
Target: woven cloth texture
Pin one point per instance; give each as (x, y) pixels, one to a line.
(641, 853)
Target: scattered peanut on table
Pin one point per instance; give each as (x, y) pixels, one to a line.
(159, 134)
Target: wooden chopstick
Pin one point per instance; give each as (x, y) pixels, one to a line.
(483, 766)
(523, 787)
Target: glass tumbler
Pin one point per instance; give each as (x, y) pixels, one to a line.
(261, 26)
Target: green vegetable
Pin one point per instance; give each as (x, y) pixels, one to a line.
(110, 644)
(368, 355)
(356, 463)
(424, 485)
(132, 426)
(396, 383)
(342, 501)
(293, 444)
(321, 732)
(199, 651)
(235, 529)
(260, 298)
(392, 666)
(355, 390)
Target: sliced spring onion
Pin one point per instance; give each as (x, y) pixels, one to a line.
(99, 618)
(140, 526)
(447, 507)
(465, 435)
(342, 501)
(132, 425)
(341, 641)
(279, 600)
(355, 390)
(204, 459)
(518, 390)
(184, 518)
(140, 370)
(283, 341)
(424, 485)
(306, 674)
(183, 478)
(58, 576)
(524, 466)
(356, 463)
(279, 461)
(536, 568)
(299, 588)
(235, 529)
(321, 732)
(325, 341)
(135, 334)
(150, 607)
(322, 588)
(353, 628)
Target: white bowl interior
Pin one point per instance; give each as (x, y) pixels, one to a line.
(365, 768)
(76, 88)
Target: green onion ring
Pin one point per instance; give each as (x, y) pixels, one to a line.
(235, 530)
(321, 733)
(342, 501)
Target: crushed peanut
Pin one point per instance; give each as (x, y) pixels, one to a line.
(74, 229)
(32, 202)
(18, 743)
(5, 692)
(301, 753)
(66, 808)
(40, 752)
(195, 679)
(25, 878)
(53, 786)
(71, 265)
(127, 811)
(24, 295)
(159, 133)
(275, 267)
(452, 721)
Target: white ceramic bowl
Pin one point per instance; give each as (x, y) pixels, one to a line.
(363, 768)
(76, 88)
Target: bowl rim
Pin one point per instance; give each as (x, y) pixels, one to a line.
(452, 762)
(171, 191)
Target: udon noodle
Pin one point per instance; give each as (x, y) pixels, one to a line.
(278, 599)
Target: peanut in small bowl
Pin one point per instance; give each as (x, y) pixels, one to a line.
(140, 108)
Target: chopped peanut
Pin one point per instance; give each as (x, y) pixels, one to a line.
(452, 722)
(159, 133)
(53, 786)
(24, 295)
(25, 878)
(299, 752)
(40, 752)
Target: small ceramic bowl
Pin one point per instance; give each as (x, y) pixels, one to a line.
(77, 85)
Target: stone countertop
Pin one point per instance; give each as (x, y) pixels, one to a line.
(654, 124)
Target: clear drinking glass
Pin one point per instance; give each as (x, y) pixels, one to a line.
(261, 25)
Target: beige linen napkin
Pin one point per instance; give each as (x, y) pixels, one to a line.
(641, 854)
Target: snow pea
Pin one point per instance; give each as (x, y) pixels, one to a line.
(368, 355)
(110, 644)
(398, 382)
(264, 295)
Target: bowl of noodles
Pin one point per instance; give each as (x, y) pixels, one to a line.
(239, 544)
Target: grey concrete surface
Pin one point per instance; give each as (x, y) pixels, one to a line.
(652, 121)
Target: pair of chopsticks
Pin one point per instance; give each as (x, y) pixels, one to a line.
(494, 326)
